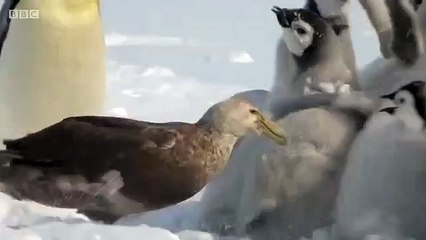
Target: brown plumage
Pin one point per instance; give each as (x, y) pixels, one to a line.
(122, 166)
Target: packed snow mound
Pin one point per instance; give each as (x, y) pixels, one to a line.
(86, 231)
(14, 213)
(238, 56)
(27, 220)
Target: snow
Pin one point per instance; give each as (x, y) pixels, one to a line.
(158, 71)
(238, 56)
(117, 40)
(86, 231)
(15, 213)
(142, 90)
(118, 111)
(26, 220)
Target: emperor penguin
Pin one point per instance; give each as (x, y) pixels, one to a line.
(382, 190)
(52, 66)
(309, 58)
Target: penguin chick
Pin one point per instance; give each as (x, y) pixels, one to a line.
(407, 39)
(410, 101)
(383, 15)
(337, 15)
(382, 189)
(309, 57)
(385, 75)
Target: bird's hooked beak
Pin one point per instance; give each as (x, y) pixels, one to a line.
(390, 110)
(270, 129)
(283, 16)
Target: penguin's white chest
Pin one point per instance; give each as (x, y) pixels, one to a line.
(48, 72)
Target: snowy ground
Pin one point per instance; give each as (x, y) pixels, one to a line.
(24, 220)
(171, 61)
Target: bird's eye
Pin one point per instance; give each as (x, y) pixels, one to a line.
(301, 31)
(253, 111)
(401, 100)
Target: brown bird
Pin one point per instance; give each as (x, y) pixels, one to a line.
(120, 166)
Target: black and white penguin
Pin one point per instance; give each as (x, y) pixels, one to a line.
(382, 190)
(51, 66)
(309, 58)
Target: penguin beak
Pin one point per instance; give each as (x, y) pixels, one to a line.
(282, 16)
(390, 110)
(390, 96)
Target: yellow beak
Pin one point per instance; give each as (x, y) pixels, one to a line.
(272, 130)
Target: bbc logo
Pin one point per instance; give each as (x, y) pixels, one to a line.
(23, 14)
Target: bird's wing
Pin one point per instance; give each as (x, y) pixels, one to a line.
(120, 123)
(161, 134)
(80, 141)
(5, 20)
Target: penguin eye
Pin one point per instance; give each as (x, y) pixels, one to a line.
(401, 100)
(301, 31)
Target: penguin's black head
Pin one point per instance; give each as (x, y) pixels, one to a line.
(287, 16)
(416, 88)
(411, 93)
(332, 11)
(302, 29)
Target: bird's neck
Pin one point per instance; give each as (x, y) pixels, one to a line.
(217, 133)
(224, 138)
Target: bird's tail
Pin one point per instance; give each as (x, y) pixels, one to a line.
(7, 156)
(8, 141)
